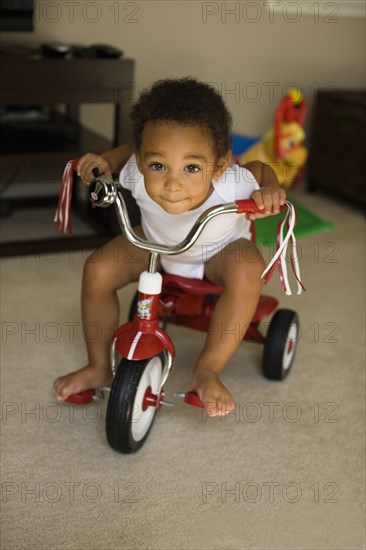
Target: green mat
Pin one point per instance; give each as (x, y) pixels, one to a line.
(307, 224)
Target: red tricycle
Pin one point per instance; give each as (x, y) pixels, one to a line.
(142, 352)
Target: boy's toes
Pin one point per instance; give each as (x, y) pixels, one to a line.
(63, 389)
(61, 393)
(211, 408)
(57, 386)
(213, 394)
(221, 409)
(218, 407)
(225, 407)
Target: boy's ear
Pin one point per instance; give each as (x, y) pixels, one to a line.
(222, 164)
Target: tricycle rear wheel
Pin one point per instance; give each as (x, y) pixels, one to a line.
(280, 344)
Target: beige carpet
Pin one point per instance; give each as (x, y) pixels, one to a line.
(285, 472)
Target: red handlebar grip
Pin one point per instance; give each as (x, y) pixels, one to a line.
(75, 163)
(249, 206)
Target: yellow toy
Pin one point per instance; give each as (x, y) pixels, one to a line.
(282, 146)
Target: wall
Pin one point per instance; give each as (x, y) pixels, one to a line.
(251, 53)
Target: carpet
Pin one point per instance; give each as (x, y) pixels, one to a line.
(307, 224)
(286, 471)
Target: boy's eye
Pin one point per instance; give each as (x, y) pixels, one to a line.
(156, 166)
(193, 168)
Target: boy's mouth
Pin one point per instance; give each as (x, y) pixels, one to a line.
(172, 201)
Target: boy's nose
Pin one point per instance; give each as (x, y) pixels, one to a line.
(172, 183)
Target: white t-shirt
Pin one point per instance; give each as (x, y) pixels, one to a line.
(170, 229)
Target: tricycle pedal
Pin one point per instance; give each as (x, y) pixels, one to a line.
(190, 397)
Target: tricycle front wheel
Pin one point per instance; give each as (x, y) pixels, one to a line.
(129, 420)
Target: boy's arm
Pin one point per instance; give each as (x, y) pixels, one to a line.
(271, 195)
(108, 163)
(118, 157)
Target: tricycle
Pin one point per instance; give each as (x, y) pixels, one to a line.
(142, 352)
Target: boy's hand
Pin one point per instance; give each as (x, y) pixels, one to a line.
(88, 162)
(268, 199)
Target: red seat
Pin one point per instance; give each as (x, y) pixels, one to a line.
(192, 286)
(200, 287)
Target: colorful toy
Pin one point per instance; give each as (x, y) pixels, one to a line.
(282, 145)
(142, 352)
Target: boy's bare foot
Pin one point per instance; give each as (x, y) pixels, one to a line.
(84, 379)
(212, 392)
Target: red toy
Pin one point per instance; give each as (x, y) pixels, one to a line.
(291, 109)
(142, 352)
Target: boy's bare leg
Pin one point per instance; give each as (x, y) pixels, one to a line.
(107, 270)
(238, 268)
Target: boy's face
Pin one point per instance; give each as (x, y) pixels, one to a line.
(178, 164)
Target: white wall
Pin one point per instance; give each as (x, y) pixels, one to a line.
(250, 53)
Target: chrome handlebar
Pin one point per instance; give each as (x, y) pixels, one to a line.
(104, 192)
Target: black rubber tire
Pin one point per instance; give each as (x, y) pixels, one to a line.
(275, 364)
(122, 408)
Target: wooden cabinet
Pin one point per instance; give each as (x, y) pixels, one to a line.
(36, 81)
(337, 149)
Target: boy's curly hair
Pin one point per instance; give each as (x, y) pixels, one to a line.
(186, 101)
